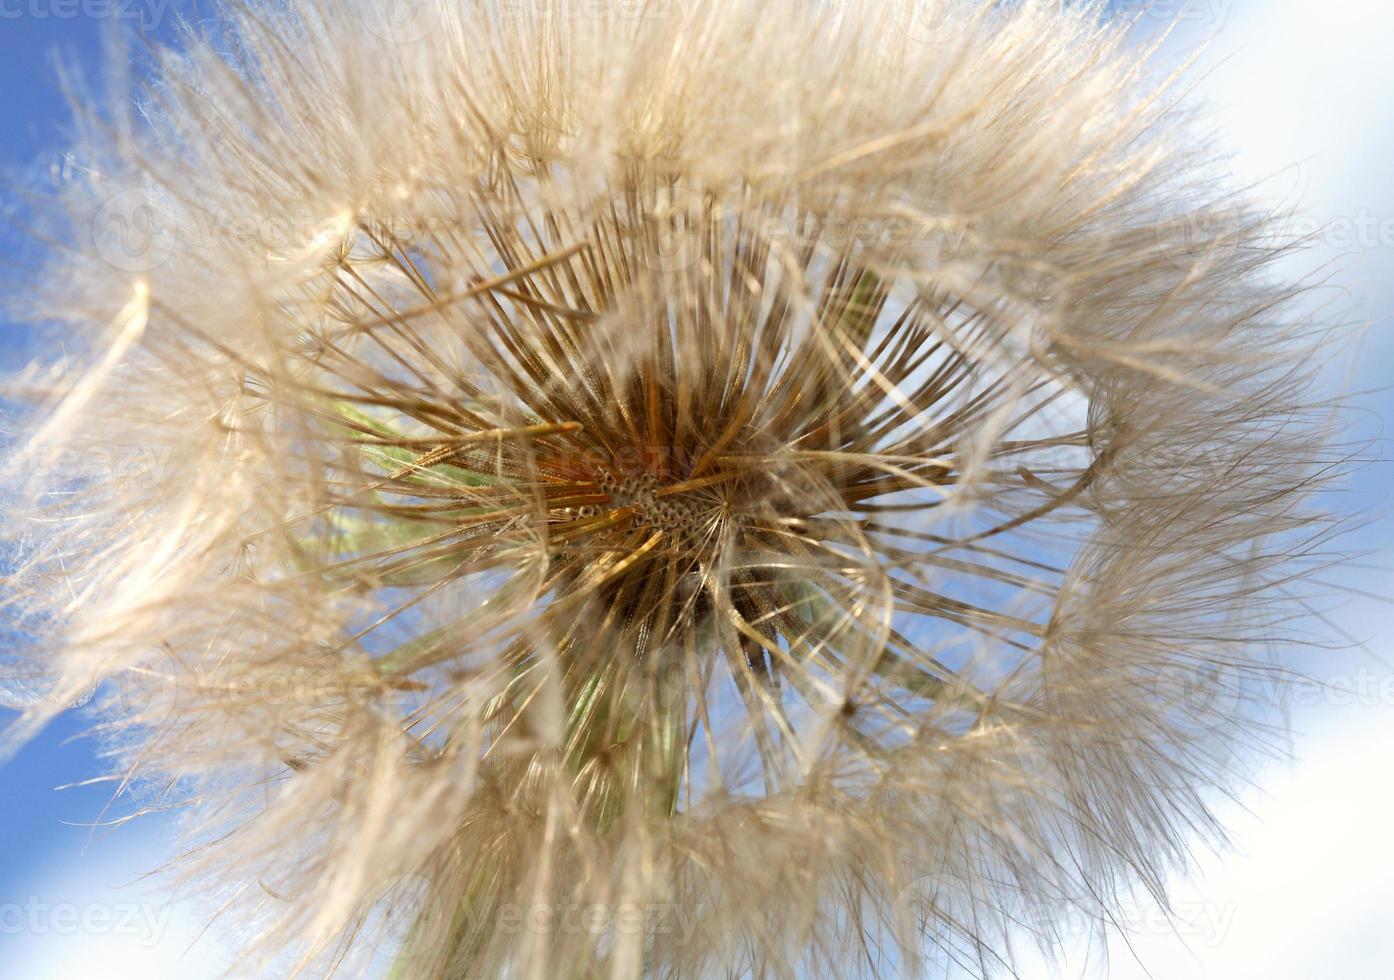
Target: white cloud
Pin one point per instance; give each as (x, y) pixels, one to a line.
(1305, 93)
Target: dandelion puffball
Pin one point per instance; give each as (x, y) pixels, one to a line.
(668, 488)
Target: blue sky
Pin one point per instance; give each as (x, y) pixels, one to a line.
(1306, 94)
(54, 864)
(31, 124)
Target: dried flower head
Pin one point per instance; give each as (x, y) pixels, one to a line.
(668, 488)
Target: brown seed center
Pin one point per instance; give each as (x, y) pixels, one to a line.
(666, 512)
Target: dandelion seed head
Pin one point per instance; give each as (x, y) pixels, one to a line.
(776, 462)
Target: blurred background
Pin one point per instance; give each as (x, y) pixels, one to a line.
(1304, 94)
